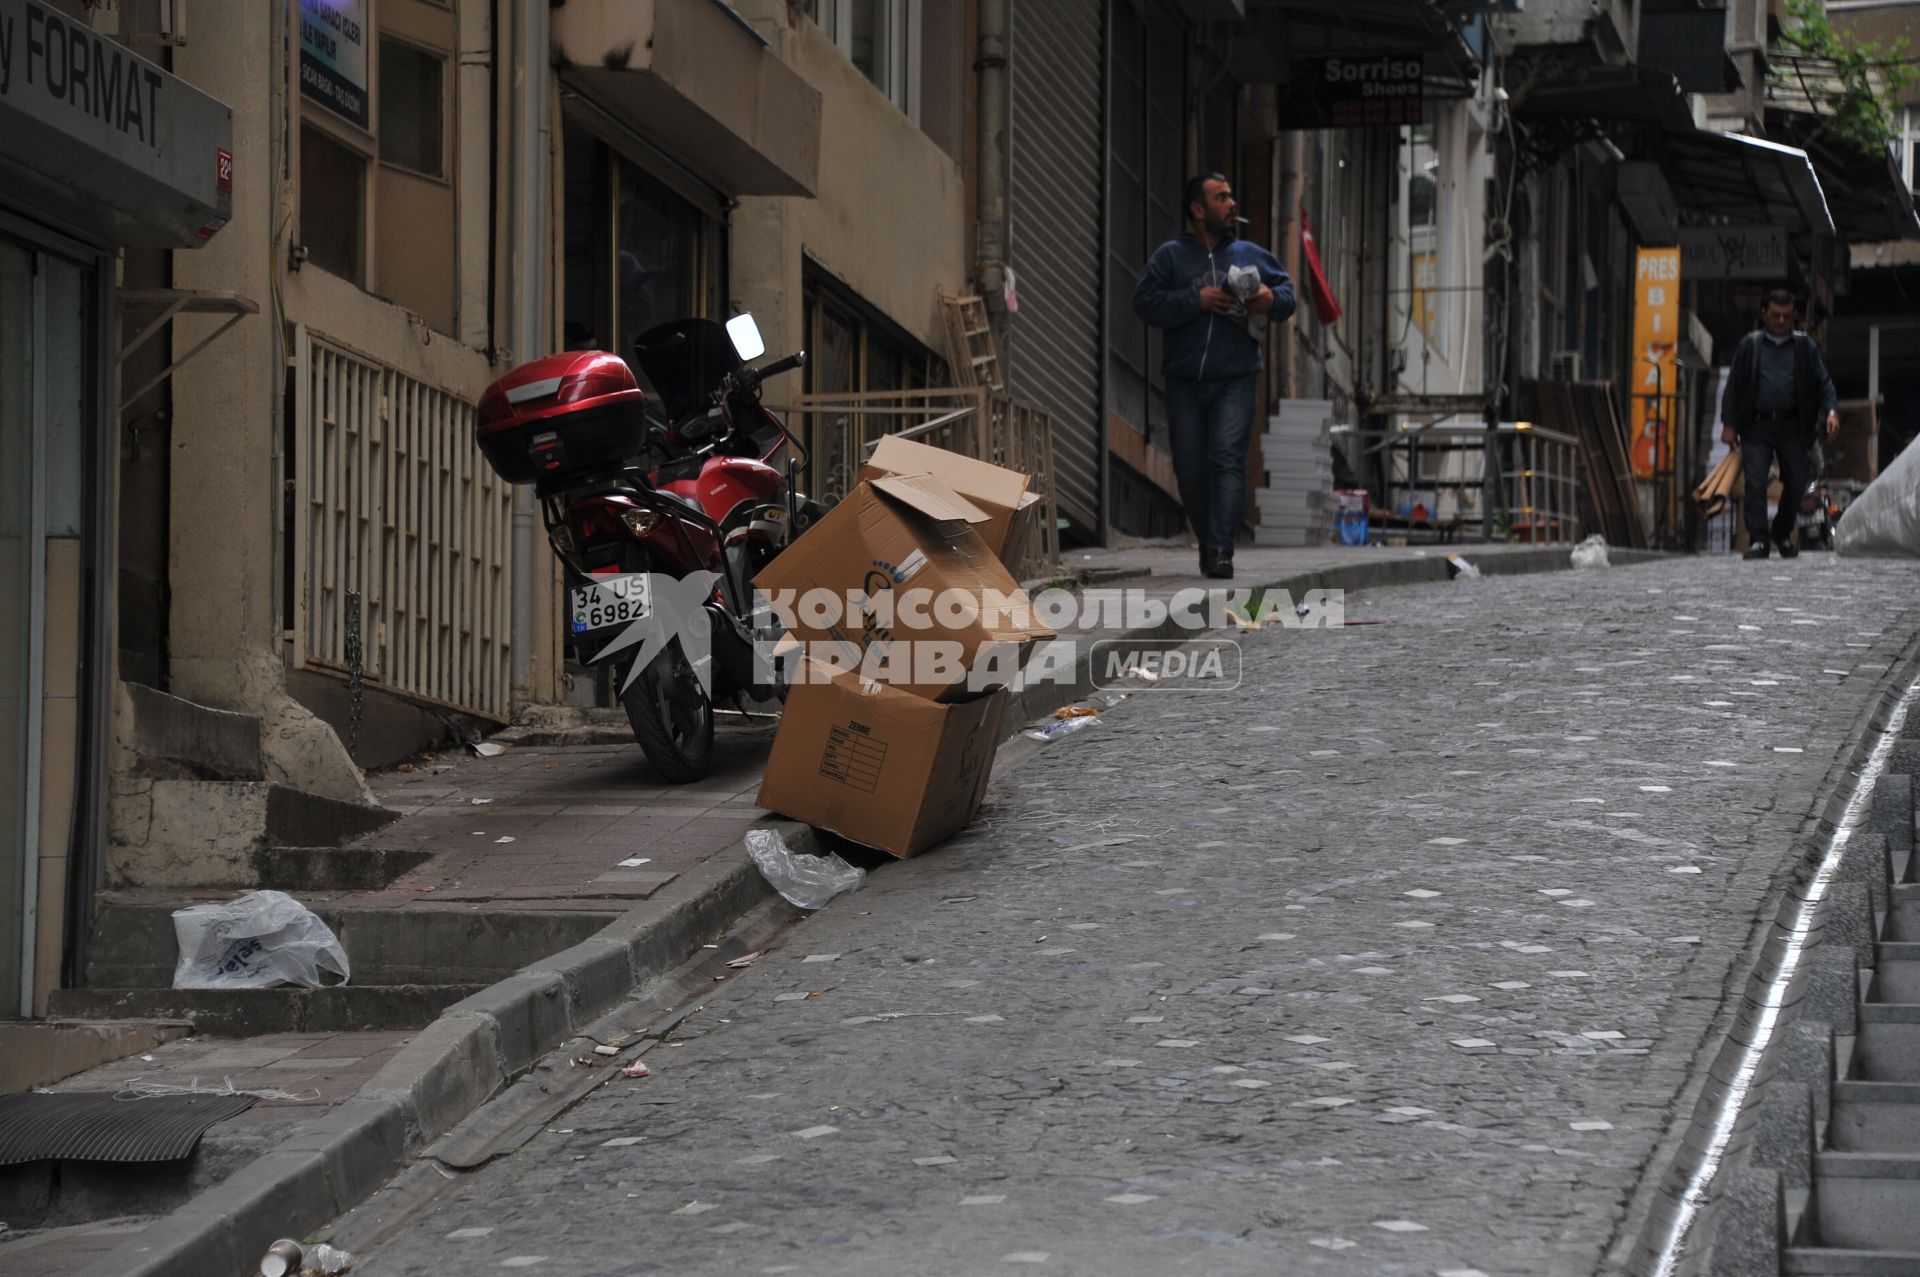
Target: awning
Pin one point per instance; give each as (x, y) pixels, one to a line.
(1730, 177)
(700, 84)
(1869, 198)
(106, 141)
(1282, 31)
(1606, 94)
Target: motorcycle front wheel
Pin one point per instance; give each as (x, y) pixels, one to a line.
(671, 717)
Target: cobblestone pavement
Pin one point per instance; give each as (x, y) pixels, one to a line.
(1392, 962)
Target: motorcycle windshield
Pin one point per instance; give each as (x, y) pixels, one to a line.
(685, 360)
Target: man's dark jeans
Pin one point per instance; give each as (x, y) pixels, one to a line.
(1208, 423)
(1765, 438)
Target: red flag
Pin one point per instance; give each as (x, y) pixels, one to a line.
(1325, 304)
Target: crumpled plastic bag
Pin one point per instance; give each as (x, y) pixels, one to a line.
(806, 881)
(261, 939)
(1885, 519)
(1591, 553)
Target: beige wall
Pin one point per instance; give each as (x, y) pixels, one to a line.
(59, 759)
(889, 223)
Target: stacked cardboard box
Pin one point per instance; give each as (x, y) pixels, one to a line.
(1296, 501)
(877, 744)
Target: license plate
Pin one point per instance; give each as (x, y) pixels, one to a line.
(609, 601)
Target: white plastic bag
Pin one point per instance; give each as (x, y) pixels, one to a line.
(807, 881)
(261, 939)
(1885, 519)
(1591, 553)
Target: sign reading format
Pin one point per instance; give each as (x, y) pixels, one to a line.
(1354, 93)
(1734, 252)
(108, 131)
(1656, 327)
(333, 55)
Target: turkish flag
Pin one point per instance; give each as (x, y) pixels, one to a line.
(1325, 304)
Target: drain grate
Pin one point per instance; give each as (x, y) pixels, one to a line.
(100, 1128)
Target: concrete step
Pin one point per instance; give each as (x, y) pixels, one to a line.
(1903, 915)
(207, 833)
(1875, 1117)
(240, 1013)
(1802, 1261)
(134, 946)
(297, 869)
(39, 1052)
(1886, 1052)
(177, 739)
(65, 1193)
(1867, 1201)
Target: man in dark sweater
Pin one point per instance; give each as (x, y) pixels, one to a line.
(1213, 295)
(1777, 399)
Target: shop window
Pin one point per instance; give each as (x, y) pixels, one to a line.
(851, 351)
(1425, 264)
(371, 180)
(880, 37)
(333, 205)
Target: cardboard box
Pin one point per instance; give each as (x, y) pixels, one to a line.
(897, 543)
(881, 766)
(1013, 513)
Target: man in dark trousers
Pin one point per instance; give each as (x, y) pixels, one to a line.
(1214, 296)
(1778, 396)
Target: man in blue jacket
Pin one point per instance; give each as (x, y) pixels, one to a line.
(1777, 399)
(1213, 295)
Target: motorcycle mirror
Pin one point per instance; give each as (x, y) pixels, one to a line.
(746, 338)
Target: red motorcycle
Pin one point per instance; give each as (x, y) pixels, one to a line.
(661, 522)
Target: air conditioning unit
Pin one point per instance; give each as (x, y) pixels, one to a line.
(1566, 365)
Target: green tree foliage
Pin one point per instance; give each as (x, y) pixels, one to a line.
(1855, 85)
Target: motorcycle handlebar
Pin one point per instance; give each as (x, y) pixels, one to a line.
(796, 360)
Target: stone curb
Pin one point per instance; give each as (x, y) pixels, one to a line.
(465, 1057)
(1817, 1025)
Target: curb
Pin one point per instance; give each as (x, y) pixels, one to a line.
(1807, 1045)
(465, 1057)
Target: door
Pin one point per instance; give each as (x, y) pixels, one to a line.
(18, 607)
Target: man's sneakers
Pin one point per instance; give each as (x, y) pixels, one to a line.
(1788, 550)
(1758, 550)
(1216, 565)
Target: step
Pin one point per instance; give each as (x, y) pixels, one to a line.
(1896, 974)
(1806, 1261)
(134, 947)
(204, 833)
(1903, 915)
(40, 1052)
(1886, 1052)
(1867, 1201)
(1875, 1117)
(239, 1013)
(179, 739)
(297, 869)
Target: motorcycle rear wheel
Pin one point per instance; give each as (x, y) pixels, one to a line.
(671, 717)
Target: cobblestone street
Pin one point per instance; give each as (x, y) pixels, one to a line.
(1394, 961)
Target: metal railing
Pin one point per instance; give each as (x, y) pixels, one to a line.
(1533, 483)
(975, 421)
(397, 517)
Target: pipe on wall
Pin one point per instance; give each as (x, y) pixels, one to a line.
(990, 225)
(528, 234)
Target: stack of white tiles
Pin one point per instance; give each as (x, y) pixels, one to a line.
(1296, 505)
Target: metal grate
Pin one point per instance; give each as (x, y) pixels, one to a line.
(394, 503)
(99, 1128)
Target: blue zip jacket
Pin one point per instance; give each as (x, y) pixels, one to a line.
(1200, 345)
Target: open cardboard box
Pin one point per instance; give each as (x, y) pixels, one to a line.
(878, 764)
(897, 541)
(1013, 513)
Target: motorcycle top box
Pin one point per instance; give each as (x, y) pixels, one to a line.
(562, 416)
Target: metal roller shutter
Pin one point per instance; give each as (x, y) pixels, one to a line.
(1054, 220)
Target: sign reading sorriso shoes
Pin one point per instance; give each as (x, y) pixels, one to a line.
(1347, 92)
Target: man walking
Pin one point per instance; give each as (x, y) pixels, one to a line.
(1778, 395)
(1213, 295)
